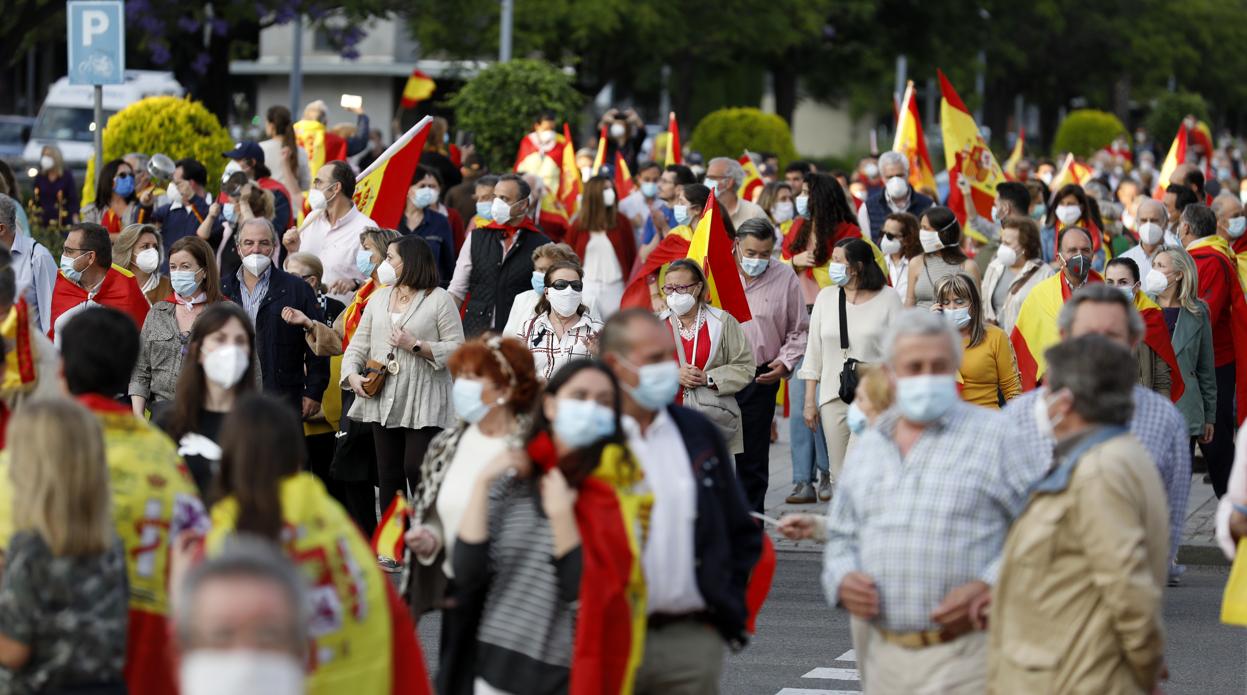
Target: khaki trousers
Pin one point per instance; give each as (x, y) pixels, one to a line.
(953, 668)
(684, 658)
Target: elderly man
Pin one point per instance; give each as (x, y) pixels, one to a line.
(895, 196)
(1078, 604)
(915, 530)
(89, 278)
(1102, 310)
(1231, 223)
(1153, 220)
(247, 605)
(289, 368)
(332, 231)
(724, 176)
(34, 269)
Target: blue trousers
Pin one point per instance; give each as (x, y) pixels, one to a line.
(809, 446)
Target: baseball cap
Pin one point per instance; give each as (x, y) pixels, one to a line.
(246, 149)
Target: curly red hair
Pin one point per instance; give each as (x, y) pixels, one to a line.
(476, 357)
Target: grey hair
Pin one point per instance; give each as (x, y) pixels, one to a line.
(319, 105)
(257, 221)
(918, 323)
(251, 557)
(1164, 211)
(8, 213)
(1101, 294)
(734, 169)
(1099, 372)
(892, 157)
(1201, 219)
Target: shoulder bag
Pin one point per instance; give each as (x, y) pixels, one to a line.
(723, 411)
(848, 373)
(375, 372)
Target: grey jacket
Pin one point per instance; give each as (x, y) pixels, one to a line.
(1192, 343)
(161, 348)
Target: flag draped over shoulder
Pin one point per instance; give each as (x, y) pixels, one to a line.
(1176, 156)
(967, 156)
(711, 248)
(1215, 247)
(570, 184)
(912, 143)
(418, 88)
(753, 178)
(381, 189)
(1011, 165)
(1036, 328)
(311, 136)
(1156, 337)
(844, 231)
(119, 290)
(674, 153)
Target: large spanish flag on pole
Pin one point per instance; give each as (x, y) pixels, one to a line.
(1215, 249)
(381, 189)
(674, 154)
(1036, 328)
(1176, 156)
(711, 248)
(753, 178)
(570, 185)
(912, 143)
(967, 156)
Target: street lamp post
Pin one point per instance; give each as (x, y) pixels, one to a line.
(504, 31)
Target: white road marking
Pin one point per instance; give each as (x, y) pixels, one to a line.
(810, 691)
(848, 656)
(834, 674)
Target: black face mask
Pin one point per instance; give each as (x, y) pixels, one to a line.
(1079, 266)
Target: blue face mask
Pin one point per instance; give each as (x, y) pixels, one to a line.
(123, 185)
(363, 262)
(1236, 227)
(838, 273)
(926, 398)
(856, 419)
(649, 189)
(184, 282)
(482, 211)
(424, 197)
(68, 270)
(803, 205)
(657, 385)
(958, 316)
(466, 396)
(753, 267)
(539, 281)
(1038, 213)
(581, 423)
(681, 214)
(229, 213)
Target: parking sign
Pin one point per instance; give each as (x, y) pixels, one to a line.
(97, 42)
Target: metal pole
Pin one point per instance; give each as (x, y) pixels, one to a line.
(99, 129)
(979, 86)
(902, 70)
(504, 31)
(30, 82)
(296, 67)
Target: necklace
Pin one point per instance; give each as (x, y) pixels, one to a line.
(690, 332)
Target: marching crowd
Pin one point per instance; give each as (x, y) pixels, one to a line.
(1002, 413)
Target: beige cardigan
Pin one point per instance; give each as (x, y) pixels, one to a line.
(867, 323)
(419, 395)
(1008, 314)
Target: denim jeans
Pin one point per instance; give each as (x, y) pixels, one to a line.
(809, 447)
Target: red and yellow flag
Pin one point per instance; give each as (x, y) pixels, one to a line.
(967, 155)
(599, 159)
(911, 143)
(570, 185)
(387, 538)
(753, 178)
(1176, 156)
(1036, 328)
(1215, 249)
(1011, 165)
(674, 154)
(381, 189)
(1072, 171)
(418, 88)
(623, 179)
(1156, 337)
(711, 248)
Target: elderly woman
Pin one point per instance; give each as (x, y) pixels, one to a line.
(1014, 272)
(563, 328)
(525, 304)
(138, 248)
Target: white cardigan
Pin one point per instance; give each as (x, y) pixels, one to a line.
(867, 323)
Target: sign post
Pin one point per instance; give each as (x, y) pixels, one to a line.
(97, 54)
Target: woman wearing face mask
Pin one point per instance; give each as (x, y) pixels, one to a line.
(138, 248)
(1154, 372)
(115, 205)
(525, 305)
(939, 235)
(421, 218)
(164, 339)
(714, 354)
(55, 189)
(1174, 283)
(830, 218)
(411, 326)
(860, 296)
(1072, 209)
(602, 236)
(562, 329)
(1016, 269)
(776, 200)
(220, 368)
(898, 241)
(263, 490)
(688, 207)
(989, 371)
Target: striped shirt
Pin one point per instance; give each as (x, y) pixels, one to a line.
(549, 351)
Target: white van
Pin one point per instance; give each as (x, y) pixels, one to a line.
(67, 116)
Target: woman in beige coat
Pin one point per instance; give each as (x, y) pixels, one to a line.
(411, 326)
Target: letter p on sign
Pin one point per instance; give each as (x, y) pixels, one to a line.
(94, 23)
(96, 41)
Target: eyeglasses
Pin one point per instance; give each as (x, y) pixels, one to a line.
(73, 250)
(679, 289)
(564, 284)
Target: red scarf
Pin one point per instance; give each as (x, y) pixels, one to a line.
(355, 311)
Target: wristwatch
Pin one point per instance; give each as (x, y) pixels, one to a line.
(710, 383)
(416, 348)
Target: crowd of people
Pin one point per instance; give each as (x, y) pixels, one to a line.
(1004, 429)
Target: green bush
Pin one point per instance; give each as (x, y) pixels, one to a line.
(1168, 112)
(1086, 130)
(729, 132)
(180, 128)
(498, 106)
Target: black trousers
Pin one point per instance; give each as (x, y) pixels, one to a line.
(400, 451)
(753, 466)
(358, 497)
(1219, 453)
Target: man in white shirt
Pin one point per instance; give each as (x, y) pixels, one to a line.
(702, 544)
(724, 176)
(34, 269)
(1153, 221)
(332, 231)
(636, 206)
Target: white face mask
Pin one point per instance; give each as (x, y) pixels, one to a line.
(897, 188)
(563, 302)
(546, 136)
(618, 130)
(608, 197)
(889, 246)
(1007, 256)
(240, 672)
(256, 264)
(500, 211)
(174, 194)
(1151, 233)
(147, 260)
(386, 274)
(1042, 419)
(1068, 214)
(930, 241)
(782, 211)
(1155, 282)
(46, 163)
(224, 366)
(316, 199)
(681, 304)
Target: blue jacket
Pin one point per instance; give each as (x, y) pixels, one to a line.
(436, 232)
(182, 222)
(289, 368)
(727, 539)
(877, 208)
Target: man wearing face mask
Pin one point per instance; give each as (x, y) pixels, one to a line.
(636, 205)
(33, 266)
(332, 231)
(1012, 199)
(240, 622)
(1090, 544)
(702, 543)
(724, 176)
(895, 196)
(1153, 219)
(945, 466)
(1231, 223)
(625, 135)
(187, 203)
(1099, 309)
(248, 157)
(777, 333)
(662, 215)
(88, 278)
(496, 262)
(289, 367)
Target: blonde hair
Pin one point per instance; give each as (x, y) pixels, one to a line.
(556, 252)
(123, 245)
(960, 285)
(60, 484)
(878, 388)
(1188, 293)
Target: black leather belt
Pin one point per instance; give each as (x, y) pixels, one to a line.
(658, 621)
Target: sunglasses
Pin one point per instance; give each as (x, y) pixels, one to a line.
(564, 284)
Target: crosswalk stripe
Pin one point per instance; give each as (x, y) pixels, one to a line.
(835, 674)
(811, 691)
(848, 656)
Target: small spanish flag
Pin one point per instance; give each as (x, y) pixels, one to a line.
(753, 178)
(623, 178)
(387, 539)
(570, 185)
(418, 88)
(599, 159)
(674, 153)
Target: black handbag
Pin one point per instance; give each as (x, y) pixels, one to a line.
(848, 373)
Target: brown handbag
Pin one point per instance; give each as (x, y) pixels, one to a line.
(374, 376)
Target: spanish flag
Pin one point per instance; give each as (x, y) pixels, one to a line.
(599, 159)
(1072, 171)
(1176, 156)
(674, 246)
(1156, 337)
(911, 143)
(753, 178)
(387, 539)
(1215, 249)
(320, 146)
(546, 161)
(1036, 328)
(418, 88)
(1011, 165)
(19, 358)
(967, 155)
(119, 290)
(623, 179)
(381, 189)
(570, 185)
(674, 154)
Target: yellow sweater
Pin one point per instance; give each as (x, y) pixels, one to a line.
(989, 366)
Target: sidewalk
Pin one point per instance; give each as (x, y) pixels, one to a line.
(1199, 545)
